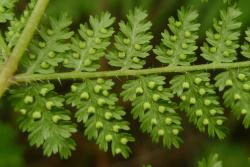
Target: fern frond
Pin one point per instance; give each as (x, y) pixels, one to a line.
(90, 45)
(47, 50)
(152, 106)
(132, 42)
(178, 47)
(55, 49)
(45, 119)
(103, 119)
(6, 10)
(200, 102)
(222, 42)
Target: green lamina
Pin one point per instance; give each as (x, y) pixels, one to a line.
(153, 108)
(200, 102)
(132, 43)
(103, 119)
(236, 87)
(90, 45)
(44, 118)
(246, 47)
(18, 24)
(222, 42)
(48, 49)
(6, 10)
(178, 46)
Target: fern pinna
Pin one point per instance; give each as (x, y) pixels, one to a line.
(56, 53)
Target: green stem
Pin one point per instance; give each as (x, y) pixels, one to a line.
(12, 62)
(117, 73)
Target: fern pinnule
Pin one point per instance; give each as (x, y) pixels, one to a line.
(178, 46)
(47, 50)
(103, 119)
(246, 47)
(90, 45)
(132, 43)
(6, 10)
(153, 108)
(236, 87)
(221, 44)
(200, 102)
(18, 24)
(44, 118)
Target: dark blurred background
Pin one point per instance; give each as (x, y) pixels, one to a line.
(234, 151)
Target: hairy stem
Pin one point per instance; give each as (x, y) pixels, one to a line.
(168, 69)
(12, 62)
